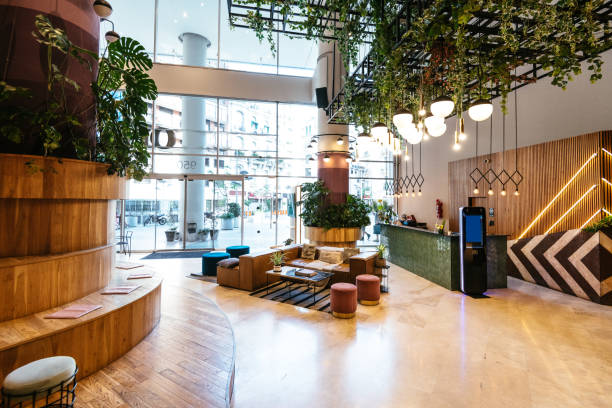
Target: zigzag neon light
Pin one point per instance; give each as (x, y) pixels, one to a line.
(610, 184)
(592, 216)
(606, 151)
(571, 208)
(606, 211)
(558, 194)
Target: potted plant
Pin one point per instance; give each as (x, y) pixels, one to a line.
(234, 209)
(171, 234)
(381, 262)
(203, 234)
(288, 241)
(440, 227)
(334, 224)
(277, 259)
(226, 221)
(192, 231)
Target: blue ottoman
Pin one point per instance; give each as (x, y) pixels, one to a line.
(237, 250)
(209, 262)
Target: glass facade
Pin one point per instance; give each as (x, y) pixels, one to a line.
(261, 144)
(198, 33)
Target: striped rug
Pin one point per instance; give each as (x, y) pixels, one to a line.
(295, 294)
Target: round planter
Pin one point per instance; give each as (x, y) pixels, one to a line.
(170, 235)
(278, 268)
(214, 234)
(227, 223)
(334, 237)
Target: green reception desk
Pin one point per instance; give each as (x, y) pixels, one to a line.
(435, 257)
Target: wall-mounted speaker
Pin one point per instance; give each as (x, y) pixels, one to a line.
(321, 94)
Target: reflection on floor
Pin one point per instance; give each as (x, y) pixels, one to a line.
(423, 346)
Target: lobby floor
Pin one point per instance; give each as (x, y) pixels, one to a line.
(423, 346)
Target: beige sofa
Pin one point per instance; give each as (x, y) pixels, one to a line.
(251, 273)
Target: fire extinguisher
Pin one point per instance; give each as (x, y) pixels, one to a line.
(438, 209)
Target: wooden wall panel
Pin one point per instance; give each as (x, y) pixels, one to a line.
(606, 171)
(546, 168)
(23, 176)
(38, 227)
(33, 284)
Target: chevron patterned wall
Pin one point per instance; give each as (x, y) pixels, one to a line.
(575, 262)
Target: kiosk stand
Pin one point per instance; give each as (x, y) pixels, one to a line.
(472, 253)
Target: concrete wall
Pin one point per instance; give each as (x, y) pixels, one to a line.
(545, 112)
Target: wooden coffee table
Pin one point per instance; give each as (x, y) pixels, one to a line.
(287, 274)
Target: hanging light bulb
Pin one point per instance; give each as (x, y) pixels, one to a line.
(406, 194)
(102, 8)
(413, 192)
(462, 135)
(480, 110)
(419, 125)
(516, 192)
(379, 131)
(420, 194)
(402, 118)
(406, 155)
(364, 137)
(111, 36)
(425, 135)
(326, 158)
(456, 146)
(503, 192)
(476, 190)
(442, 106)
(490, 192)
(340, 140)
(437, 132)
(422, 112)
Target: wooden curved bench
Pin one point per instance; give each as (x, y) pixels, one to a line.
(94, 340)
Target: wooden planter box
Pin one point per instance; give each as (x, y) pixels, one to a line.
(334, 237)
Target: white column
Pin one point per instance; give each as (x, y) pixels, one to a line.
(193, 123)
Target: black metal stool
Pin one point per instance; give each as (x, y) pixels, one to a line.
(46, 383)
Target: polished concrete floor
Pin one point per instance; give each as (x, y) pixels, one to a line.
(423, 346)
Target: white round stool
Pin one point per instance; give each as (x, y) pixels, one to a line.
(52, 379)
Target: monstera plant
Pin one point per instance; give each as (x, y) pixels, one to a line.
(121, 90)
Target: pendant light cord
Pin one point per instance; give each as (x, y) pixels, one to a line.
(515, 125)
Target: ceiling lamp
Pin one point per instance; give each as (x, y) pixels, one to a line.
(111, 36)
(503, 192)
(476, 190)
(415, 137)
(340, 140)
(422, 112)
(326, 158)
(480, 110)
(516, 192)
(402, 118)
(309, 146)
(490, 192)
(102, 8)
(433, 122)
(311, 158)
(437, 132)
(462, 135)
(351, 148)
(379, 131)
(442, 106)
(364, 137)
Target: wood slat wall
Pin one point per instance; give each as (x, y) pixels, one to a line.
(546, 168)
(606, 171)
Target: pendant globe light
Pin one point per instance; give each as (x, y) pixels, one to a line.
(102, 8)
(364, 137)
(402, 118)
(433, 122)
(111, 36)
(379, 131)
(438, 131)
(442, 106)
(415, 137)
(480, 110)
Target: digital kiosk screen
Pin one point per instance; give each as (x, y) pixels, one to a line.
(473, 229)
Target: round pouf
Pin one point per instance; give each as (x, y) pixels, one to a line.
(368, 289)
(237, 250)
(40, 379)
(343, 300)
(209, 262)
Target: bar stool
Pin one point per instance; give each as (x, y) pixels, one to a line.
(49, 382)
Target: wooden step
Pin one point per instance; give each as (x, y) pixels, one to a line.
(94, 340)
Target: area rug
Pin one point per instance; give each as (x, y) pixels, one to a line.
(295, 294)
(178, 254)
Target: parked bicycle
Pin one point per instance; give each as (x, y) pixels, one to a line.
(153, 219)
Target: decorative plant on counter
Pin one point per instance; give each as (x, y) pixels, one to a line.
(381, 249)
(317, 211)
(277, 259)
(384, 212)
(604, 224)
(121, 90)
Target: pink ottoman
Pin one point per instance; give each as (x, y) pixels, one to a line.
(343, 300)
(368, 289)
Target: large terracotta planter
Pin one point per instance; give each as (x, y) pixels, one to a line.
(335, 237)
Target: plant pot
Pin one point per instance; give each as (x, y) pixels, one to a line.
(203, 236)
(170, 235)
(380, 262)
(214, 234)
(227, 223)
(278, 268)
(236, 222)
(336, 237)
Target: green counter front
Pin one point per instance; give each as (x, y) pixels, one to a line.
(435, 257)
